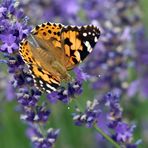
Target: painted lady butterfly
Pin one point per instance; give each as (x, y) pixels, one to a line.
(53, 49)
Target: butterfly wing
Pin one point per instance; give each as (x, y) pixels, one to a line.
(56, 44)
(77, 43)
(43, 79)
(48, 30)
(48, 37)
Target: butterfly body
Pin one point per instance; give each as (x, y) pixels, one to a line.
(54, 49)
(50, 60)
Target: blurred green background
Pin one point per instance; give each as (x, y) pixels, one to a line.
(12, 129)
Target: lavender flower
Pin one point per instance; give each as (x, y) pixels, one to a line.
(48, 10)
(39, 114)
(109, 59)
(90, 115)
(123, 132)
(9, 43)
(74, 88)
(6, 89)
(43, 141)
(106, 113)
(65, 95)
(13, 29)
(28, 99)
(139, 85)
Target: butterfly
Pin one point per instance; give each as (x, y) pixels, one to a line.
(53, 49)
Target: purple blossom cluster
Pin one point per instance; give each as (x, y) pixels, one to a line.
(47, 10)
(12, 31)
(110, 58)
(13, 28)
(64, 94)
(139, 84)
(6, 89)
(73, 89)
(41, 141)
(106, 113)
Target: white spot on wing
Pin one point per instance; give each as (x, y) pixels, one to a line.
(87, 44)
(49, 86)
(79, 27)
(84, 34)
(48, 91)
(95, 39)
(65, 26)
(41, 82)
(33, 76)
(54, 81)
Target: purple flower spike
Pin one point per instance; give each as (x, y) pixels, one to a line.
(106, 113)
(124, 132)
(45, 142)
(39, 115)
(80, 75)
(28, 99)
(2, 11)
(13, 28)
(9, 43)
(65, 95)
(89, 117)
(53, 97)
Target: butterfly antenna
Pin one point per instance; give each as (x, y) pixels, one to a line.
(33, 41)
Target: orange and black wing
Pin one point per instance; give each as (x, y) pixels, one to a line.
(43, 79)
(78, 42)
(47, 38)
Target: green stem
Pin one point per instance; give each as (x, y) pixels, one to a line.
(107, 137)
(79, 105)
(41, 129)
